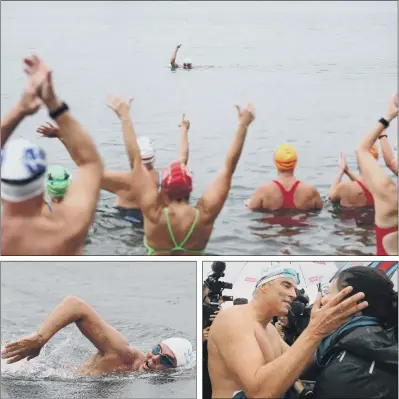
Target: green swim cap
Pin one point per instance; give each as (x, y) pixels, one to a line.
(58, 181)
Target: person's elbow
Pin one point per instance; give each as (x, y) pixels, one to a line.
(332, 195)
(73, 301)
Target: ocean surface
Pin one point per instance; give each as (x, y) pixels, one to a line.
(319, 73)
(145, 302)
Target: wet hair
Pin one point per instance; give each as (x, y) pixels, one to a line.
(378, 289)
(240, 301)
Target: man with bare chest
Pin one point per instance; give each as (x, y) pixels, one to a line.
(114, 354)
(248, 358)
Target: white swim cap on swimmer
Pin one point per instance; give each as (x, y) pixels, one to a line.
(147, 151)
(23, 171)
(275, 274)
(181, 348)
(187, 61)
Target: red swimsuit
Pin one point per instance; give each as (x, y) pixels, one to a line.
(288, 196)
(380, 233)
(369, 197)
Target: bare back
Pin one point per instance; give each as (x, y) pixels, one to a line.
(351, 195)
(127, 197)
(270, 197)
(182, 217)
(224, 381)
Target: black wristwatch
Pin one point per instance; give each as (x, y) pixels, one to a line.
(384, 122)
(59, 111)
(382, 135)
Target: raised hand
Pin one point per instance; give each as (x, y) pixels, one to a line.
(41, 78)
(184, 122)
(393, 108)
(246, 115)
(26, 347)
(178, 46)
(343, 165)
(48, 130)
(30, 102)
(118, 104)
(324, 320)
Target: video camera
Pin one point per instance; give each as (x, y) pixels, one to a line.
(298, 315)
(216, 287)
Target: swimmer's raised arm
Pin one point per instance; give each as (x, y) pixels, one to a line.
(334, 191)
(174, 55)
(122, 110)
(215, 196)
(376, 180)
(71, 310)
(184, 150)
(79, 204)
(387, 153)
(116, 181)
(272, 380)
(143, 184)
(28, 104)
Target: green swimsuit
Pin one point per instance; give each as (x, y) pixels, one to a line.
(177, 247)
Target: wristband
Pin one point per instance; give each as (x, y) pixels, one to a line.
(384, 122)
(59, 111)
(382, 135)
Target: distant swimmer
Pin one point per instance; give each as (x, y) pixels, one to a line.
(351, 193)
(114, 354)
(25, 230)
(171, 225)
(247, 358)
(57, 182)
(382, 188)
(286, 192)
(187, 64)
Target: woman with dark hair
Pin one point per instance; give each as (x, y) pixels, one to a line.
(360, 359)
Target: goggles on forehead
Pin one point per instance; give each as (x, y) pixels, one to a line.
(290, 273)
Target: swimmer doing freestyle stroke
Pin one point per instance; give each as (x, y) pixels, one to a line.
(247, 358)
(172, 226)
(25, 230)
(114, 352)
(187, 64)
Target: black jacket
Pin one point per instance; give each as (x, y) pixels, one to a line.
(364, 365)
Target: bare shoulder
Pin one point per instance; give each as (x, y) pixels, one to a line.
(229, 321)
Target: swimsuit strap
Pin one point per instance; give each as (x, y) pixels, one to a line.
(188, 235)
(150, 251)
(172, 236)
(49, 206)
(369, 197)
(288, 195)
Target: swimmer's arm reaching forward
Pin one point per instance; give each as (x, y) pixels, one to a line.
(184, 151)
(173, 58)
(214, 198)
(71, 310)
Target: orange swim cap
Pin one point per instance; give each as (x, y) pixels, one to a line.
(285, 157)
(374, 151)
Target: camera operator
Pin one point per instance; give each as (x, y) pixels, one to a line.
(212, 300)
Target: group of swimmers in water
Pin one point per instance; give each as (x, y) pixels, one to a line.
(159, 199)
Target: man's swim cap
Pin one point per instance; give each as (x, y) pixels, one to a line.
(187, 62)
(285, 157)
(374, 151)
(177, 181)
(275, 274)
(147, 151)
(58, 181)
(181, 348)
(23, 170)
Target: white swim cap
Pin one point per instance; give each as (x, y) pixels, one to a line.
(187, 61)
(147, 151)
(275, 274)
(181, 348)
(23, 171)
